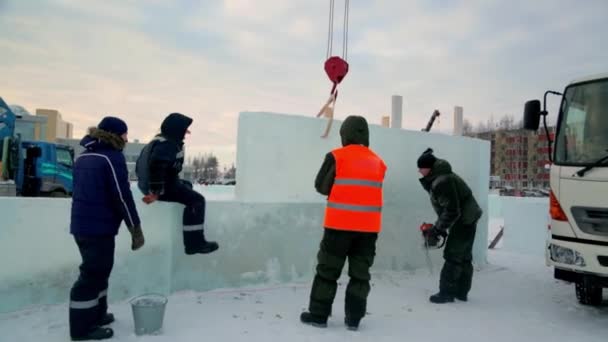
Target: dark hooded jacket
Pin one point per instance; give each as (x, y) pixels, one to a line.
(451, 197)
(354, 131)
(161, 161)
(102, 196)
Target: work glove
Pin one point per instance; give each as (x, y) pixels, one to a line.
(150, 198)
(137, 237)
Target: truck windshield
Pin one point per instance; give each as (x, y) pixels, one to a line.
(64, 157)
(582, 136)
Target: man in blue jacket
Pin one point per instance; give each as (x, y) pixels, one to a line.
(158, 168)
(101, 201)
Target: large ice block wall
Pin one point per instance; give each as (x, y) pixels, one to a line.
(260, 243)
(268, 234)
(279, 155)
(526, 224)
(39, 258)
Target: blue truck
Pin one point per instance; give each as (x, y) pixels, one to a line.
(37, 168)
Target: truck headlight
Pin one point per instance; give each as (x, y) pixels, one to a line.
(566, 256)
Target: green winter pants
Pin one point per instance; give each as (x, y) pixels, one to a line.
(336, 246)
(457, 272)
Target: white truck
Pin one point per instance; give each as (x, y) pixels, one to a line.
(577, 247)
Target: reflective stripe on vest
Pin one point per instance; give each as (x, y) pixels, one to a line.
(355, 200)
(352, 207)
(351, 181)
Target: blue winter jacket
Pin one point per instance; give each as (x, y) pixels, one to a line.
(102, 196)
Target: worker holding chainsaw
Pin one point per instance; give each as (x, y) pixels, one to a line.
(352, 178)
(458, 213)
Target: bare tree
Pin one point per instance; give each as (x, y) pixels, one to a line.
(231, 173)
(481, 127)
(467, 128)
(211, 167)
(506, 123)
(198, 163)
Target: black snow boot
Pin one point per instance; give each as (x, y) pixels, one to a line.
(108, 318)
(351, 323)
(95, 335)
(204, 248)
(195, 243)
(462, 298)
(441, 298)
(314, 320)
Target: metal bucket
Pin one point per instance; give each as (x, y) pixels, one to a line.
(148, 313)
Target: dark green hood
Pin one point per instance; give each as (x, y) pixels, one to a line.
(440, 167)
(354, 131)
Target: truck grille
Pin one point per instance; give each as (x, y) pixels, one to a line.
(591, 220)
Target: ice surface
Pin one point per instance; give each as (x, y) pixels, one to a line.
(526, 221)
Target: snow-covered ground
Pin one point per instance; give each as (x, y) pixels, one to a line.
(513, 299)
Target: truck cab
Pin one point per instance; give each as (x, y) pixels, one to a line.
(38, 168)
(45, 169)
(577, 247)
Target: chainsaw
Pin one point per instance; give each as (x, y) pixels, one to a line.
(432, 241)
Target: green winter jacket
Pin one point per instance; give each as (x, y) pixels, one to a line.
(451, 197)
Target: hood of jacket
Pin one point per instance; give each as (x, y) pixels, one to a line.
(354, 131)
(100, 139)
(174, 127)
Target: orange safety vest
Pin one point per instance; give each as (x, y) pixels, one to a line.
(355, 200)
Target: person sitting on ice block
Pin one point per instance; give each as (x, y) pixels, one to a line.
(158, 168)
(101, 201)
(458, 213)
(352, 177)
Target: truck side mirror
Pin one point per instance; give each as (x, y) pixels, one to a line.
(532, 115)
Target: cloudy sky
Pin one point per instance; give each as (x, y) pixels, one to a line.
(213, 59)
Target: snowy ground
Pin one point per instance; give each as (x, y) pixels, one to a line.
(513, 299)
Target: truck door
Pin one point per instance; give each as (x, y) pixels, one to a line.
(65, 164)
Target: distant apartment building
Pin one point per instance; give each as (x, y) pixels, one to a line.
(518, 158)
(56, 127)
(46, 125)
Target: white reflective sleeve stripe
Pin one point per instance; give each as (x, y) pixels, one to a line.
(193, 228)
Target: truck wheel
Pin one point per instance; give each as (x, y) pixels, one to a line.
(588, 292)
(58, 194)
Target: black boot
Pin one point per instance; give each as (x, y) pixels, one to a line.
(108, 318)
(203, 248)
(462, 298)
(195, 243)
(314, 320)
(351, 323)
(95, 334)
(441, 298)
